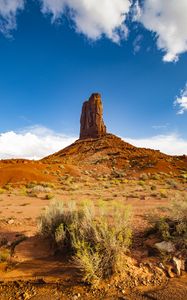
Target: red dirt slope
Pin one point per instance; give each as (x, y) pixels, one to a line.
(22, 171)
(99, 156)
(112, 153)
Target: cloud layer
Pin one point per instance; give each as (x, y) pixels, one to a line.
(93, 18)
(181, 101)
(37, 142)
(8, 13)
(32, 143)
(168, 20)
(171, 144)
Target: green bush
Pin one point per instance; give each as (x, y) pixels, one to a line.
(173, 226)
(163, 229)
(96, 237)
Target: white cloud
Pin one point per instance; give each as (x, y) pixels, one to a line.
(37, 142)
(93, 18)
(168, 20)
(8, 13)
(181, 101)
(171, 144)
(96, 18)
(32, 143)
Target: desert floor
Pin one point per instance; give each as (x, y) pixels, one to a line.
(35, 273)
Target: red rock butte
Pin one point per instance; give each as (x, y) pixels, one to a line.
(92, 124)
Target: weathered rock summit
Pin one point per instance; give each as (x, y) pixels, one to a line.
(92, 124)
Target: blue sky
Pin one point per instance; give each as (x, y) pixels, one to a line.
(54, 54)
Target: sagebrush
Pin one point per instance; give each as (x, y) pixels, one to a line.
(173, 226)
(97, 238)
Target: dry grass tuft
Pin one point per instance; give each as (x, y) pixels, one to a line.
(96, 237)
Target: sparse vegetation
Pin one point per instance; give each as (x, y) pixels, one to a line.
(144, 176)
(141, 183)
(49, 196)
(153, 187)
(173, 226)
(23, 191)
(30, 185)
(2, 191)
(4, 255)
(96, 237)
(155, 176)
(173, 184)
(7, 187)
(163, 193)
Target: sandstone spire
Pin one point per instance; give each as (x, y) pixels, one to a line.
(92, 124)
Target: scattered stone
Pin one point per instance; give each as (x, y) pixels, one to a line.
(179, 265)
(161, 266)
(77, 296)
(10, 222)
(92, 124)
(168, 247)
(86, 173)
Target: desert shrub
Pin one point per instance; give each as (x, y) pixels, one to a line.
(173, 184)
(48, 185)
(163, 193)
(31, 184)
(96, 238)
(2, 191)
(4, 255)
(23, 191)
(153, 187)
(49, 196)
(34, 190)
(144, 177)
(7, 187)
(141, 182)
(163, 229)
(155, 176)
(173, 226)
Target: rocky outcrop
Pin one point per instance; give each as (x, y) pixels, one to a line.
(92, 124)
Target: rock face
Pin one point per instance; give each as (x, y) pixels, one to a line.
(92, 124)
(168, 247)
